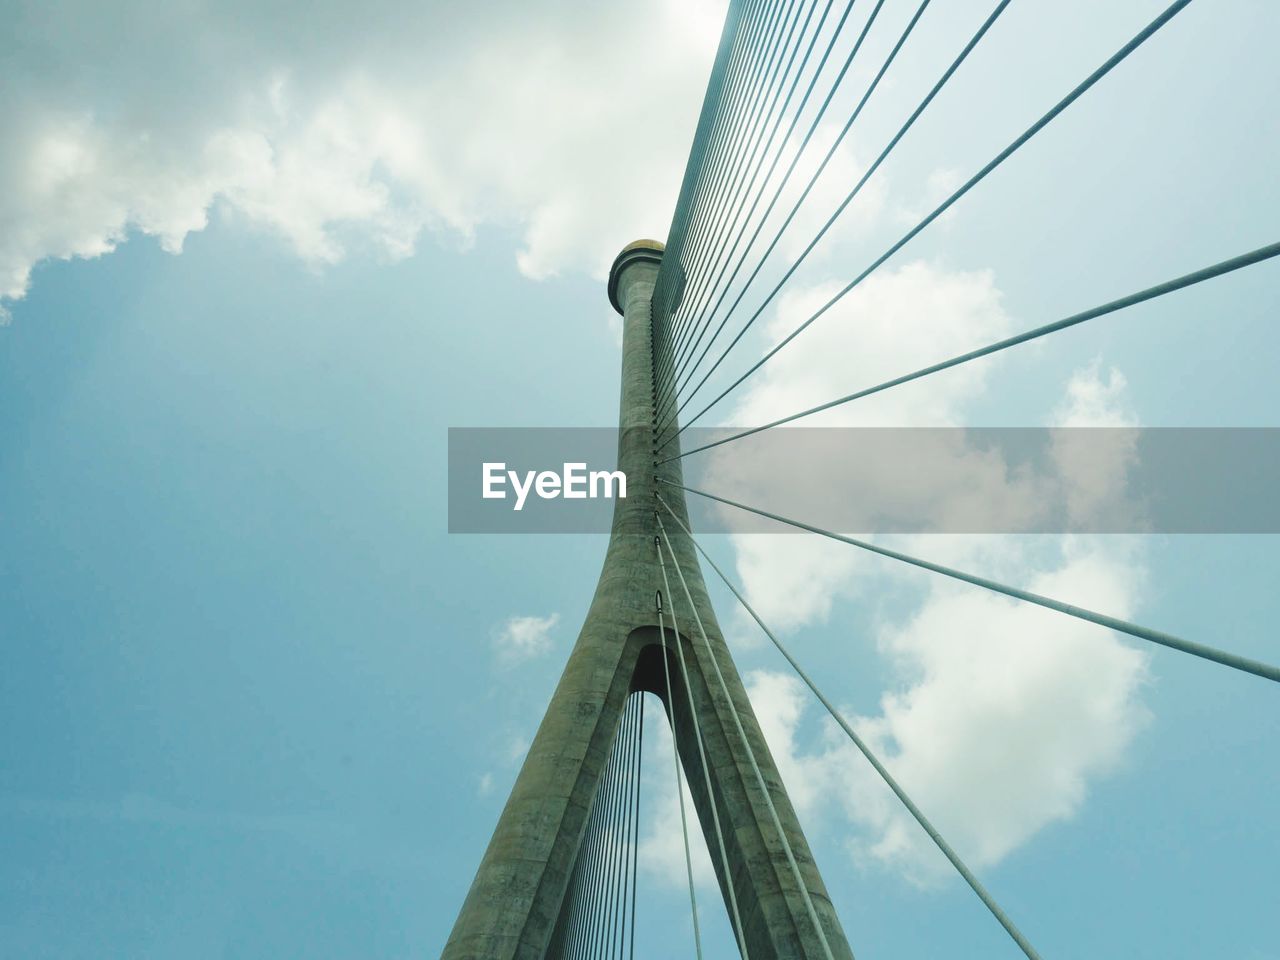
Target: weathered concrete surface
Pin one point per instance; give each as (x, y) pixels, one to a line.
(511, 909)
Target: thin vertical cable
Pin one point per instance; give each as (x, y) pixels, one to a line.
(974, 883)
(702, 756)
(635, 847)
(610, 851)
(751, 756)
(628, 825)
(675, 755)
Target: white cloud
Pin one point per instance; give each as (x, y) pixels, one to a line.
(1094, 401)
(566, 122)
(520, 639)
(831, 188)
(1006, 713)
(897, 320)
(1096, 445)
(940, 184)
(1011, 709)
(780, 701)
(793, 580)
(517, 747)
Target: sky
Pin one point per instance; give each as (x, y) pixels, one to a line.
(255, 701)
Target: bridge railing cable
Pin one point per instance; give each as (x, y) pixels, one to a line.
(711, 264)
(849, 198)
(751, 104)
(673, 265)
(1085, 85)
(712, 104)
(704, 160)
(831, 152)
(741, 100)
(664, 302)
(815, 123)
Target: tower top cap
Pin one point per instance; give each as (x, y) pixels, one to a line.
(638, 251)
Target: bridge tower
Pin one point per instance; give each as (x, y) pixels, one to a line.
(516, 907)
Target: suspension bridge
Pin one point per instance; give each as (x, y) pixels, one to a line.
(559, 877)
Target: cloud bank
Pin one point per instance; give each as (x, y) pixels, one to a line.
(998, 716)
(339, 128)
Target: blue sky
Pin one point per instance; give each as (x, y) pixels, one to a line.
(256, 702)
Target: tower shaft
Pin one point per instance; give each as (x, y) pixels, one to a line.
(520, 887)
